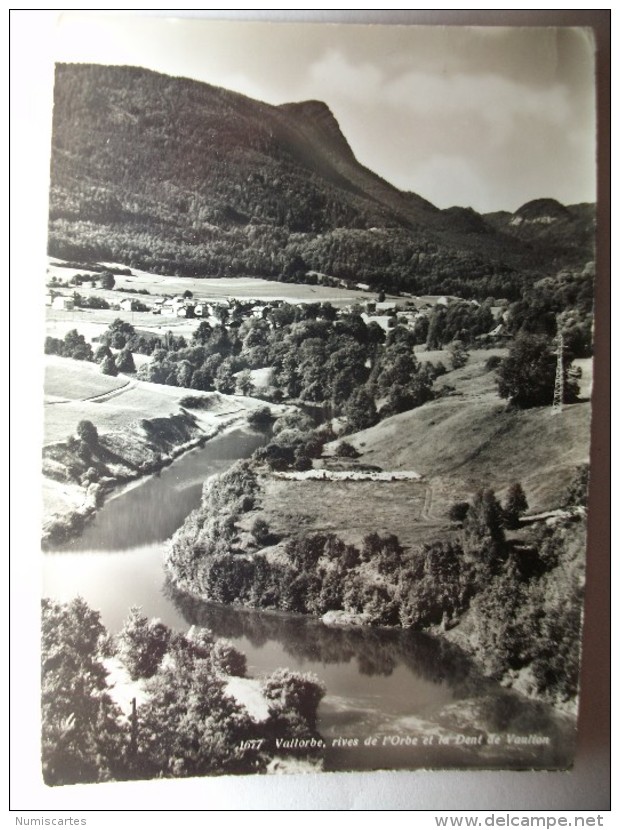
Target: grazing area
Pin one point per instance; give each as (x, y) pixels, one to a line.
(72, 380)
(349, 509)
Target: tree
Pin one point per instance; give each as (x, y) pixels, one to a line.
(118, 333)
(458, 354)
(577, 491)
(189, 726)
(458, 511)
(125, 361)
(483, 533)
(76, 347)
(108, 366)
(87, 432)
(107, 280)
(295, 691)
(260, 418)
(514, 506)
(202, 333)
(224, 379)
(244, 382)
(527, 375)
(360, 411)
(142, 644)
(82, 735)
(260, 531)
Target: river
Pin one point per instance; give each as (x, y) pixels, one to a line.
(395, 699)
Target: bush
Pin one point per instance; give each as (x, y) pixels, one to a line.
(292, 690)
(125, 362)
(197, 401)
(226, 659)
(107, 280)
(514, 506)
(458, 354)
(492, 363)
(87, 432)
(458, 511)
(346, 450)
(577, 491)
(260, 418)
(260, 531)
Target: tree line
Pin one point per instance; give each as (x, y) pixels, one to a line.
(509, 591)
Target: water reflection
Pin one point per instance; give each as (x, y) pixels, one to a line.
(392, 682)
(153, 509)
(377, 651)
(379, 682)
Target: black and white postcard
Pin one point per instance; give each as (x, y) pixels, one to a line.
(318, 374)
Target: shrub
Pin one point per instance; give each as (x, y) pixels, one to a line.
(125, 362)
(346, 450)
(292, 690)
(197, 401)
(260, 531)
(87, 432)
(458, 511)
(108, 366)
(260, 418)
(514, 506)
(227, 659)
(492, 363)
(577, 491)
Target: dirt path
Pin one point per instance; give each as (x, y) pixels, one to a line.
(100, 398)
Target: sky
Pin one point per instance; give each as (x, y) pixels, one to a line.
(482, 117)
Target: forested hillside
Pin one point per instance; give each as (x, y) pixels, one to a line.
(180, 177)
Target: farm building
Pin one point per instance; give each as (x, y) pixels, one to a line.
(63, 303)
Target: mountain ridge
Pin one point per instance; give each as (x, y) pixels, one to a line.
(178, 175)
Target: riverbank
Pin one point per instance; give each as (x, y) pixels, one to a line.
(78, 479)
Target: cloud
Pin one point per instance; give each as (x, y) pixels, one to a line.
(450, 180)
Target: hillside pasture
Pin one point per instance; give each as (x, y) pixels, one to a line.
(473, 439)
(465, 441)
(76, 380)
(210, 288)
(118, 405)
(350, 509)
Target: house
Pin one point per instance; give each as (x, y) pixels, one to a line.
(63, 303)
(127, 304)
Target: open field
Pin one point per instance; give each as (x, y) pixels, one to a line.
(351, 509)
(93, 322)
(214, 288)
(75, 382)
(460, 443)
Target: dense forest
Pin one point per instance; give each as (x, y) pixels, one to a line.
(179, 177)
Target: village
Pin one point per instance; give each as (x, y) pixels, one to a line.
(218, 301)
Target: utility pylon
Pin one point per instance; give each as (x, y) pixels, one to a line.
(558, 390)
